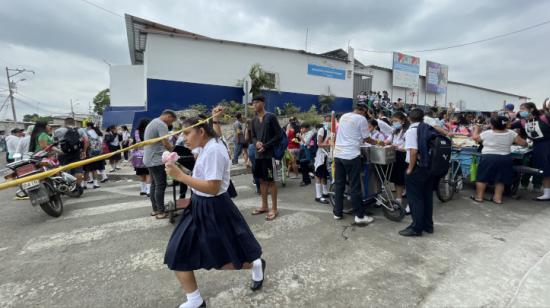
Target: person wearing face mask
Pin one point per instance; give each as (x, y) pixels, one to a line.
(537, 128)
(376, 135)
(397, 140)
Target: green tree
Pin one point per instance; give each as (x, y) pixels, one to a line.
(325, 103)
(260, 79)
(35, 118)
(101, 101)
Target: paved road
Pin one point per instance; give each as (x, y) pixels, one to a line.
(107, 252)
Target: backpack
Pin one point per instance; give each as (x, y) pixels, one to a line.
(136, 155)
(279, 150)
(95, 148)
(439, 152)
(71, 142)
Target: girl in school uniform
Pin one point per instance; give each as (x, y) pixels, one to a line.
(375, 134)
(212, 233)
(400, 125)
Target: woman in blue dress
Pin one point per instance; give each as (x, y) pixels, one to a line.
(212, 233)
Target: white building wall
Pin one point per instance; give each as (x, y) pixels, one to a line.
(127, 85)
(470, 98)
(207, 62)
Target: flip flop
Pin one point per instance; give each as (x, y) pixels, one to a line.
(474, 198)
(271, 216)
(493, 200)
(259, 211)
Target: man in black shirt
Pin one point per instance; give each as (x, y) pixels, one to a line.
(266, 135)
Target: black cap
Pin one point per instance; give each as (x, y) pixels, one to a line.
(361, 105)
(259, 98)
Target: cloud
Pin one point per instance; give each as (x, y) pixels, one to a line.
(64, 41)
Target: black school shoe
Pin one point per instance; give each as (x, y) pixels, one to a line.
(257, 285)
(322, 200)
(202, 305)
(409, 232)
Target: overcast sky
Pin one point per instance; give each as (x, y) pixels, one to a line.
(67, 41)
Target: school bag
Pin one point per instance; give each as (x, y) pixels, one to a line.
(95, 146)
(439, 150)
(71, 142)
(280, 148)
(137, 154)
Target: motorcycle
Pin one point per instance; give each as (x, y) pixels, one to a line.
(46, 192)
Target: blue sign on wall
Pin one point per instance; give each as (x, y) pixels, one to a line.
(325, 71)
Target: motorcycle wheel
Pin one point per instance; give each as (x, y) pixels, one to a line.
(76, 192)
(54, 207)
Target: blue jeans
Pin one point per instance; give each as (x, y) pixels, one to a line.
(237, 152)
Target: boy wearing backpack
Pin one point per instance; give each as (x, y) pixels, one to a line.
(428, 156)
(74, 144)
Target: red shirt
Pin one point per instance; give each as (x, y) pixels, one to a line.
(291, 134)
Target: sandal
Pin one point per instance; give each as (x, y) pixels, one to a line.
(498, 203)
(154, 213)
(271, 216)
(161, 216)
(259, 211)
(474, 198)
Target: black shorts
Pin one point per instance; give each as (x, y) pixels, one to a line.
(322, 171)
(263, 169)
(69, 159)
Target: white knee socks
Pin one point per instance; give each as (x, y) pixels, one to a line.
(546, 194)
(325, 189)
(257, 272)
(147, 187)
(143, 187)
(194, 300)
(318, 191)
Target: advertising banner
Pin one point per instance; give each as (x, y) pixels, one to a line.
(436, 77)
(405, 70)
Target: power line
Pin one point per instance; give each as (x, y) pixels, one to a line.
(102, 8)
(464, 44)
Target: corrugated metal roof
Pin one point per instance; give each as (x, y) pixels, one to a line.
(137, 29)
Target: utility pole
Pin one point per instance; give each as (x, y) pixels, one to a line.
(11, 86)
(72, 109)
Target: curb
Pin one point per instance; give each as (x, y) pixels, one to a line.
(119, 176)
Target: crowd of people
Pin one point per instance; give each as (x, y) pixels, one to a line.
(212, 233)
(70, 144)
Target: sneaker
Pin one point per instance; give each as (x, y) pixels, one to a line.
(337, 217)
(363, 221)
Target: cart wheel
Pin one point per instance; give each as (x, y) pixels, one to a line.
(446, 187)
(395, 212)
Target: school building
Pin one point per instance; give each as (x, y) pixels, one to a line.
(174, 68)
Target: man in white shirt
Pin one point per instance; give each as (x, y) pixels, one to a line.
(11, 143)
(352, 132)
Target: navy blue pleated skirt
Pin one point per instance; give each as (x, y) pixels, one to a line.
(541, 156)
(495, 168)
(211, 234)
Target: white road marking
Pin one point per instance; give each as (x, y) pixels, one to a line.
(4, 248)
(104, 209)
(93, 233)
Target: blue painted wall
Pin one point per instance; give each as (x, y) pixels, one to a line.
(177, 95)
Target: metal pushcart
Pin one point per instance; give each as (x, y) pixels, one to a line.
(375, 176)
(459, 172)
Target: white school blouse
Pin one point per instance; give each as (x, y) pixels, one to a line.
(213, 164)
